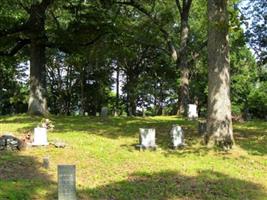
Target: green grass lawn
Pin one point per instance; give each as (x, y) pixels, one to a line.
(109, 167)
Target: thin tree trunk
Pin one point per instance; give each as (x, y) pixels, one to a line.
(82, 85)
(117, 91)
(131, 97)
(219, 124)
(68, 90)
(183, 60)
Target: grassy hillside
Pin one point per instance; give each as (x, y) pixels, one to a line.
(109, 167)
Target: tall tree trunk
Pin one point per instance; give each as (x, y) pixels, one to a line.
(183, 60)
(36, 23)
(131, 96)
(37, 101)
(219, 124)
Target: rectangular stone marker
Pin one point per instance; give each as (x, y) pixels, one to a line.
(104, 112)
(66, 182)
(40, 137)
(192, 111)
(147, 138)
(177, 136)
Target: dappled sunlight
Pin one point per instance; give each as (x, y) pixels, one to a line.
(110, 167)
(252, 137)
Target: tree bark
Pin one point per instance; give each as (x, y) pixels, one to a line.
(37, 101)
(219, 122)
(36, 31)
(82, 90)
(117, 91)
(131, 94)
(183, 60)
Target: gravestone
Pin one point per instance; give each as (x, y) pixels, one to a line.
(104, 112)
(66, 182)
(46, 162)
(192, 111)
(76, 113)
(202, 127)
(177, 136)
(40, 137)
(147, 138)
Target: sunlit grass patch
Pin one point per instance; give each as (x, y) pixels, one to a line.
(109, 167)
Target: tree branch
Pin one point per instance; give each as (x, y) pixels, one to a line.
(196, 54)
(166, 35)
(20, 44)
(179, 6)
(23, 6)
(13, 30)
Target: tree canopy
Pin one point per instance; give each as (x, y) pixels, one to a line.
(158, 49)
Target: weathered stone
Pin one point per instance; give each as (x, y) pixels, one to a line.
(202, 127)
(10, 142)
(192, 111)
(59, 144)
(66, 182)
(147, 138)
(104, 112)
(177, 136)
(46, 162)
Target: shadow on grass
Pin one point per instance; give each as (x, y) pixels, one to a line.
(172, 185)
(21, 178)
(20, 119)
(252, 136)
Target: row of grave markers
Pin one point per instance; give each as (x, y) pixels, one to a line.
(147, 137)
(67, 173)
(191, 113)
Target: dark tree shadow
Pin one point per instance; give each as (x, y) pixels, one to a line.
(21, 178)
(172, 185)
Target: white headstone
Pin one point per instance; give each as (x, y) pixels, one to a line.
(40, 137)
(76, 113)
(192, 111)
(177, 136)
(147, 137)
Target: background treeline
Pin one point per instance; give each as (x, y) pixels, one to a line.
(95, 49)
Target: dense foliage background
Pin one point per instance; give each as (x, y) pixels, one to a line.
(92, 47)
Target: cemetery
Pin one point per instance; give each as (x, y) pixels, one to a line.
(109, 166)
(133, 100)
